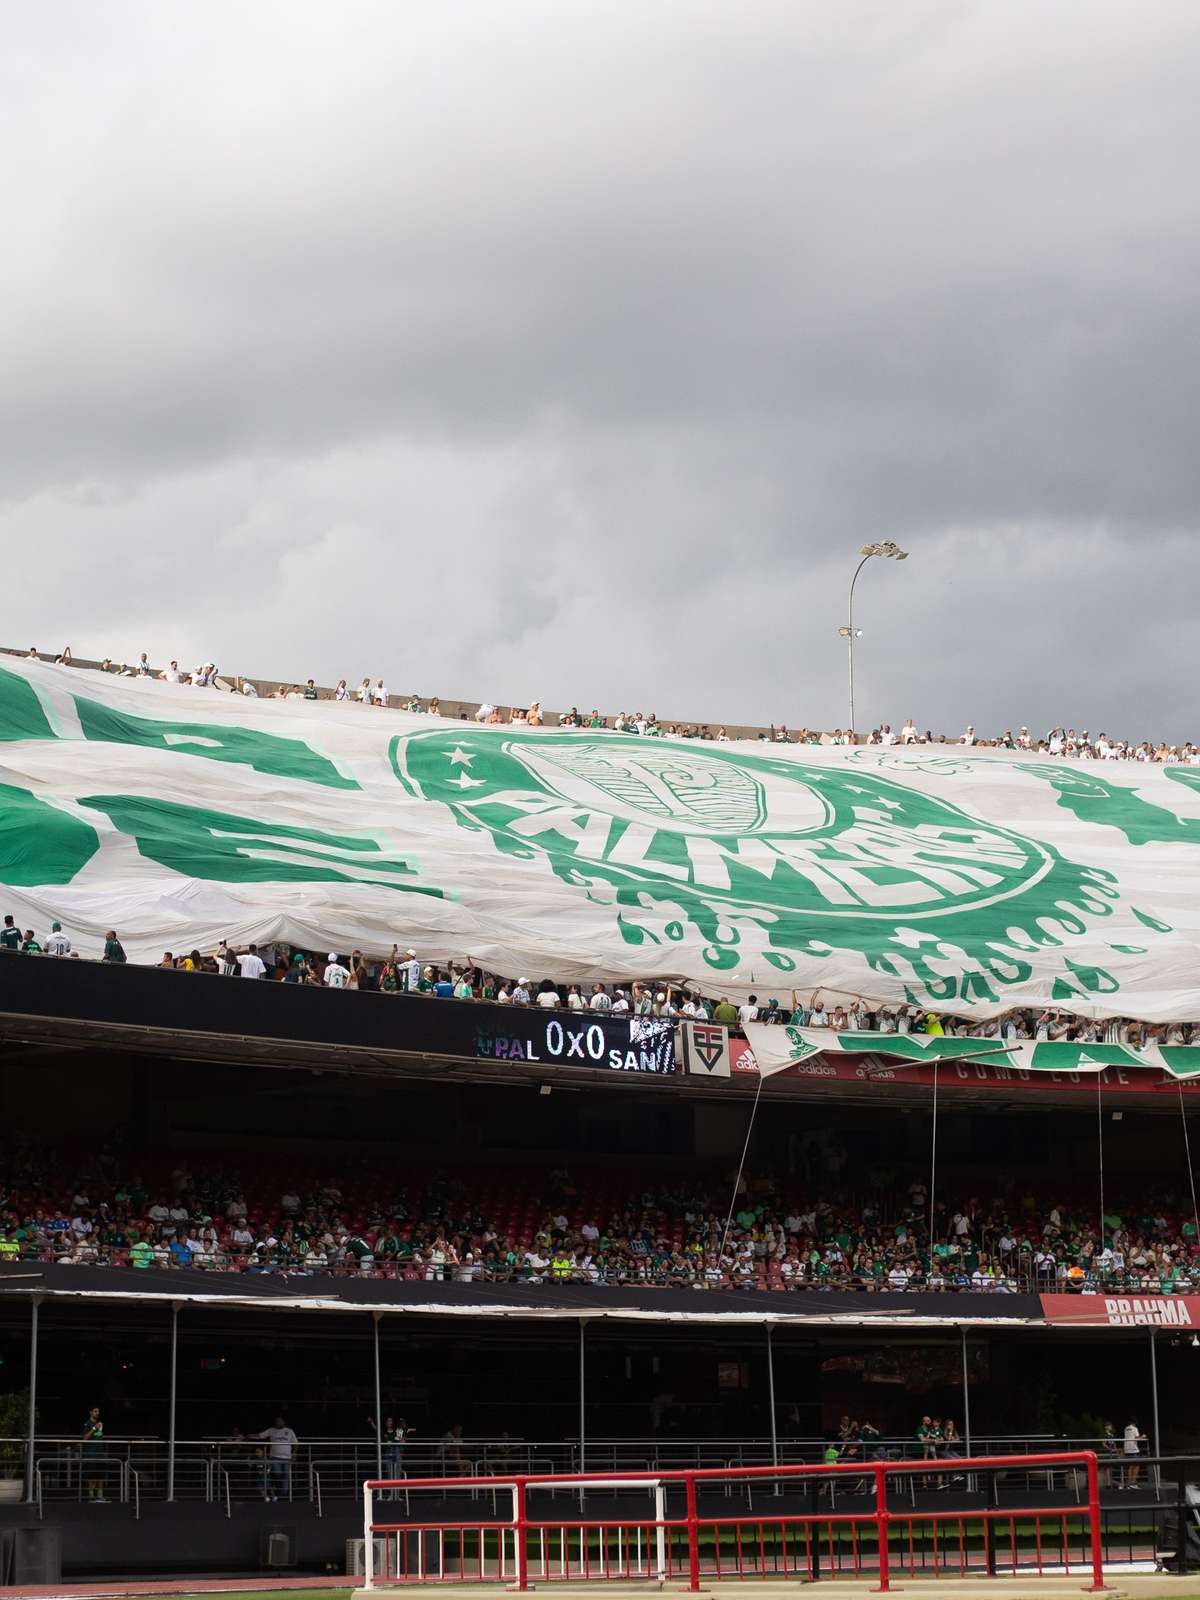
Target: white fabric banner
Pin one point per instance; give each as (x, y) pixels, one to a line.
(777, 1047)
(964, 882)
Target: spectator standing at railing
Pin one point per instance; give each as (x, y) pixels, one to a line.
(451, 1449)
(1110, 1450)
(10, 936)
(282, 1444)
(92, 1452)
(250, 963)
(336, 975)
(1133, 1442)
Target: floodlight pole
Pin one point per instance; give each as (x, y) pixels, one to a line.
(850, 630)
(893, 552)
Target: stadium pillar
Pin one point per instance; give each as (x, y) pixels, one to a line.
(582, 1395)
(376, 1316)
(171, 1408)
(966, 1394)
(31, 1445)
(1154, 1388)
(771, 1394)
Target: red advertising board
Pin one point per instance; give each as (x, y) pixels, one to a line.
(835, 1067)
(1122, 1311)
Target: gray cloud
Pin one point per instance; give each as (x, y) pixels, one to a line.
(572, 352)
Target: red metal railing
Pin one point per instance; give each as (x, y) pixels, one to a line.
(753, 1544)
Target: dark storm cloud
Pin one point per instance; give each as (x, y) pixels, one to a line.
(572, 352)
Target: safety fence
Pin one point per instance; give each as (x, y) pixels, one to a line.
(1037, 1513)
(220, 1470)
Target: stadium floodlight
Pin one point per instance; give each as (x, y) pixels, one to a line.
(891, 551)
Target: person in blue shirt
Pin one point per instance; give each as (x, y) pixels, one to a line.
(181, 1256)
(443, 988)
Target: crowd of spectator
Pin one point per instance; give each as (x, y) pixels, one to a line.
(615, 1231)
(1060, 740)
(403, 972)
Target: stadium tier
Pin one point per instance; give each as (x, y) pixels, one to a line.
(440, 1096)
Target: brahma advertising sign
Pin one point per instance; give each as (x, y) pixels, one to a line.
(1122, 1311)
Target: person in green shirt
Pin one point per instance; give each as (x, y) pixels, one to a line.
(31, 947)
(92, 1451)
(10, 936)
(310, 690)
(141, 1253)
(724, 1013)
(113, 950)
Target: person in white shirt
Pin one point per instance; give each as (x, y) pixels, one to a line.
(279, 1459)
(379, 695)
(486, 710)
(341, 692)
(548, 996)
(57, 944)
(363, 693)
(410, 972)
(248, 689)
(969, 736)
(173, 674)
(600, 1000)
(250, 963)
(908, 733)
(620, 1005)
(817, 1017)
(575, 1001)
(749, 1011)
(520, 995)
(142, 670)
(336, 975)
(886, 736)
(1134, 1439)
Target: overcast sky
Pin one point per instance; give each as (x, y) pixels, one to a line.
(571, 350)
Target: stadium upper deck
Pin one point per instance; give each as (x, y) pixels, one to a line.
(1059, 741)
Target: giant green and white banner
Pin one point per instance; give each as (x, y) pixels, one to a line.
(778, 1047)
(963, 882)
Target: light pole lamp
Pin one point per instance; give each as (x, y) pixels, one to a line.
(893, 552)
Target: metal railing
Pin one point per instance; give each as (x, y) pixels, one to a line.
(222, 1472)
